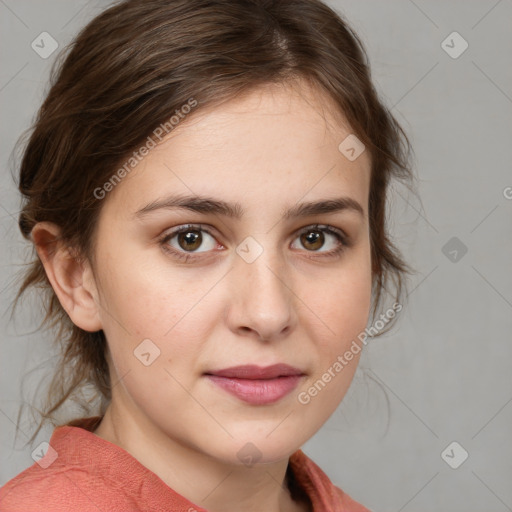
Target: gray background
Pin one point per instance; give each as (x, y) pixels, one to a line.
(446, 366)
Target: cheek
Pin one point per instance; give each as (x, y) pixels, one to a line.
(344, 311)
(144, 294)
(168, 306)
(343, 301)
(343, 306)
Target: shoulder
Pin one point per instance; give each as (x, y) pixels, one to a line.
(36, 488)
(84, 473)
(61, 489)
(75, 473)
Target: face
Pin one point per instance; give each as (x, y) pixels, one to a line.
(270, 280)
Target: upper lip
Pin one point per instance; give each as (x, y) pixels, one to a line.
(251, 371)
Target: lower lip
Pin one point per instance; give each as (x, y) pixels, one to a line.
(256, 391)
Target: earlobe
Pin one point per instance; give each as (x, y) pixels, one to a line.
(68, 277)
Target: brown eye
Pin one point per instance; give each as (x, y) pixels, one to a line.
(190, 240)
(312, 240)
(315, 238)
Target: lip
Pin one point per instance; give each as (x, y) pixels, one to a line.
(255, 384)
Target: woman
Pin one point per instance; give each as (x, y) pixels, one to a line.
(205, 187)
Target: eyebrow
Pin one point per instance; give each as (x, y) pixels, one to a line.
(209, 205)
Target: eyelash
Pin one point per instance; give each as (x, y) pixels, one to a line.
(184, 256)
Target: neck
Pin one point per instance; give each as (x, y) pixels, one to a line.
(202, 479)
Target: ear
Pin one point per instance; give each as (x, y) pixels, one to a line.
(71, 279)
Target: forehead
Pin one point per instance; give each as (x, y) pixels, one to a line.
(273, 145)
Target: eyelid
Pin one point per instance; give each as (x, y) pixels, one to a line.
(327, 228)
(167, 235)
(344, 241)
(184, 256)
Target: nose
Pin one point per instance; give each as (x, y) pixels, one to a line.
(262, 301)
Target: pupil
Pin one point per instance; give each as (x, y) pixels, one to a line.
(314, 238)
(192, 240)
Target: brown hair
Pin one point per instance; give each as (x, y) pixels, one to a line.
(128, 71)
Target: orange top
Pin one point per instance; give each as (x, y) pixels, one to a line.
(83, 472)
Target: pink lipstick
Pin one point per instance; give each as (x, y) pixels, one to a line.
(255, 384)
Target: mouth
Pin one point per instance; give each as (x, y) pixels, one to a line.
(257, 385)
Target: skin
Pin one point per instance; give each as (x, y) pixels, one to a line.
(268, 150)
